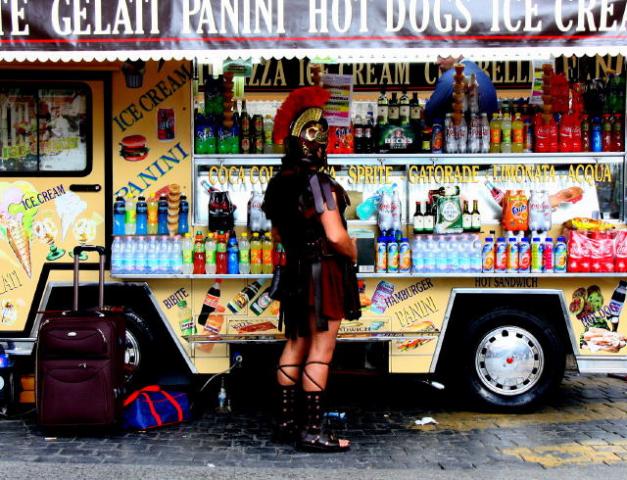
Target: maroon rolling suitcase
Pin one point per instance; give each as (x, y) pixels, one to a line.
(80, 359)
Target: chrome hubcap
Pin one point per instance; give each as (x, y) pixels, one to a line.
(509, 360)
(132, 355)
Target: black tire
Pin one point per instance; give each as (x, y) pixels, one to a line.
(544, 365)
(140, 352)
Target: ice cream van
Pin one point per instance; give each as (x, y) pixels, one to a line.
(130, 127)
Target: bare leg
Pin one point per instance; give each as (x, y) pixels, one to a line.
(292, 357)
(320, 354)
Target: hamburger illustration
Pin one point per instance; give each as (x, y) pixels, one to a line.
(133, 148)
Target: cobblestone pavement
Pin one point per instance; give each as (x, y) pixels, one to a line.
(585, 425)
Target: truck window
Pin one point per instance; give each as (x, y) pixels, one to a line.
(44, 130)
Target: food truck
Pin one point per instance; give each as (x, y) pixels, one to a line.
(494, 268)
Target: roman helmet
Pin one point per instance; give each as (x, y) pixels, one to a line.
(301, 128)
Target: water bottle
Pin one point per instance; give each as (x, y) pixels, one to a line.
(152, 255)
(183, 227)
(176, 256)
(140, 255)
(417, 256)
(430, 255)
(162, 255)
(441, 256)
(116, 255)
(187, 254)
(464, 254)
(119, 216)
(452, 262)
(129, 256)
(476, 262)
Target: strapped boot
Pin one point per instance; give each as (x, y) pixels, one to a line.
(316, 435)
(286, 428)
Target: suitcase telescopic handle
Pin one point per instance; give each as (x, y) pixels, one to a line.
(101, 269)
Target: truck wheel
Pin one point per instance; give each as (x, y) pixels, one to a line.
(513, 360)
(138, 353)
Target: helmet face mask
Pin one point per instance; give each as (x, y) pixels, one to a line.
(310, 132)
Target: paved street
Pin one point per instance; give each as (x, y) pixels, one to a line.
(582, 432)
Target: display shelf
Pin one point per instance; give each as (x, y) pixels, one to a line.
(422, 158)
(124, 276)
(373, 336)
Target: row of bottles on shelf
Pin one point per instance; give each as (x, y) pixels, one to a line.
(466, 253)
(167, 215)
(220, 253)
(244, 134)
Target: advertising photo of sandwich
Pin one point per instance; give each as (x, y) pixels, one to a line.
(133, 148)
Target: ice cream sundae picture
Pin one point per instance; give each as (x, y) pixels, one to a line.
(84, 231)
(8, 312)
(46, 231)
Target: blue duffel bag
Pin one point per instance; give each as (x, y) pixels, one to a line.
(152, 407)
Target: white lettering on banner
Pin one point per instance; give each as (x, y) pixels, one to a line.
(17, 13)
(199, 16)
(74, 20)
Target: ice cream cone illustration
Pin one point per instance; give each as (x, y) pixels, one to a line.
(16, 220)
(69, 207)
(20, 244)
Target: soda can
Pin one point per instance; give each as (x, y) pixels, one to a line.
(524, 256)
(382, 256)
(536, 256)
(165, 123)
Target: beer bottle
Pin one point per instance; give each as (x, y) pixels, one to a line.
(466, 218)
(382, 109)
(394, 110)
(475, 216)
(404, 109)
(244, 121)
(419, 219)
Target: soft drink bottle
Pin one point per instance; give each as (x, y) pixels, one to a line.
(596, 136)
(183, 227)
(518, 134)
(585, 134)
(256, 265)
(152, 215)
(500, 255)
(553, 136)
(495, 134)
(162, 215)
(524, 256)
(617, 134)
(267, 247)
(506, 134)
(560, 255)
(187, 254)
(474, 134)
(393, 255)
(536, 255)
(606, 138)
(547, 255)
(244, 254)
(119, 216)
(449, 134)
(512, 256)
(221, 254)
(199, 254)
(404, 256)
(232, 262)
(130, 215)
(473, 94)
(141, 220)
(210, 254)
(385, 212)
(528, 132)
(485, 133)
(396, 212)
(461, 136)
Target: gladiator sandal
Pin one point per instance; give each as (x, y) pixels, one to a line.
(316, 435)
(286, 428)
